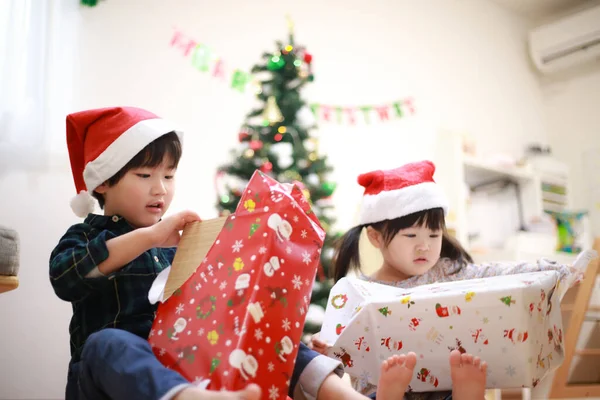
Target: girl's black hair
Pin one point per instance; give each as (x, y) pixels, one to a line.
(150, 156)
(348, 256)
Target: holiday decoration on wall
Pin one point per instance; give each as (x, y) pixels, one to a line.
(206, 60)
(275, 139)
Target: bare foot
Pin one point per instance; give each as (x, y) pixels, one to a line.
(396, 374)
(468, 376)
(251, 392)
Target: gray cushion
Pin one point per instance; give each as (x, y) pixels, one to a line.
(9, 251)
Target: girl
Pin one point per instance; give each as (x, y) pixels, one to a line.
(403, 212)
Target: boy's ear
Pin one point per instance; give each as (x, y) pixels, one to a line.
(102, 188)
(374, 237)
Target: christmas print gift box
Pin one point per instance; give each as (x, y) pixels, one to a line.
(512, 322)
(239, 317)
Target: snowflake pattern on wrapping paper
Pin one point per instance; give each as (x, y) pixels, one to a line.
(306, 257)
(273, 392)
(297, 282)
(237, 246)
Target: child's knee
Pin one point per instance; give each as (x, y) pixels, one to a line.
(105, 342)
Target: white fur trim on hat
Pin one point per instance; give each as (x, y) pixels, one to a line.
(83, 204)
(401, 202)
(123, 149)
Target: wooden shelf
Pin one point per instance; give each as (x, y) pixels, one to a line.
(479, 172)
(8, 283)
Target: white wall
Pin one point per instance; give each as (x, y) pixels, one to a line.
(463, 62)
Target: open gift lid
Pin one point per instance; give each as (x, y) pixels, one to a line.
(196, 240)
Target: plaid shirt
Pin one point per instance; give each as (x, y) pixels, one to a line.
(119, 300)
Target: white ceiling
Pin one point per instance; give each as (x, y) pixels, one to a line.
(540, 9)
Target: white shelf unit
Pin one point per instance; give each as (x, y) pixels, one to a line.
(458, 173)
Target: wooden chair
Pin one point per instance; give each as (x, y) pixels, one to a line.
(579, 310)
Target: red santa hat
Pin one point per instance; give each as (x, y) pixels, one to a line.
(102, 141)
(399, 192)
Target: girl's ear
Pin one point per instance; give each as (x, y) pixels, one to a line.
(375, 237)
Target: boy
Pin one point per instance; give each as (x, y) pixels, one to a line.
(127, 158)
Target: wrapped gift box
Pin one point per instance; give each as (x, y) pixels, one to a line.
(238, 317)
(512, 322)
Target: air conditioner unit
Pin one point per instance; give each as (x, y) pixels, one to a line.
(566, 43)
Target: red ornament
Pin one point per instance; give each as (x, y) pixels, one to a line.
(267, 167)
(307, 57)
(278, 137)
(243, 135)
(256, 145)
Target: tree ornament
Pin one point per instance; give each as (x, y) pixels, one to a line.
(328, 188)
(308, 57)
(243, 135)
(249, 153)
(272, 113)
(292, 176)
(285, 153)
(267, 167)
(275, 63)
(305, 118)
(312, 179)
(311, 144)
(304, 163)
(256, 144)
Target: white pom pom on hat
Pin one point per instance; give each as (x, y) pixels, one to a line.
(102, 141)
(83, 204)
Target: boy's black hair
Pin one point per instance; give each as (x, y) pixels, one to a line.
(348, 256)
(150, 156)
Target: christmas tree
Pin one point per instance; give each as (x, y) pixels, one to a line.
(276, 139)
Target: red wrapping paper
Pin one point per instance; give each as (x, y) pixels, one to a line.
(238, 319)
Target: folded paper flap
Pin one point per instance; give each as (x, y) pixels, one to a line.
(196, 241)
(297, 195)
(578, 270)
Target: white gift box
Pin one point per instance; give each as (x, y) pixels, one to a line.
(512, 322)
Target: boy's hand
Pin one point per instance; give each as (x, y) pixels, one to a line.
(317, 344)
(166, 232)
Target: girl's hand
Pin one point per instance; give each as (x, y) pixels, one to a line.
(317, 344)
